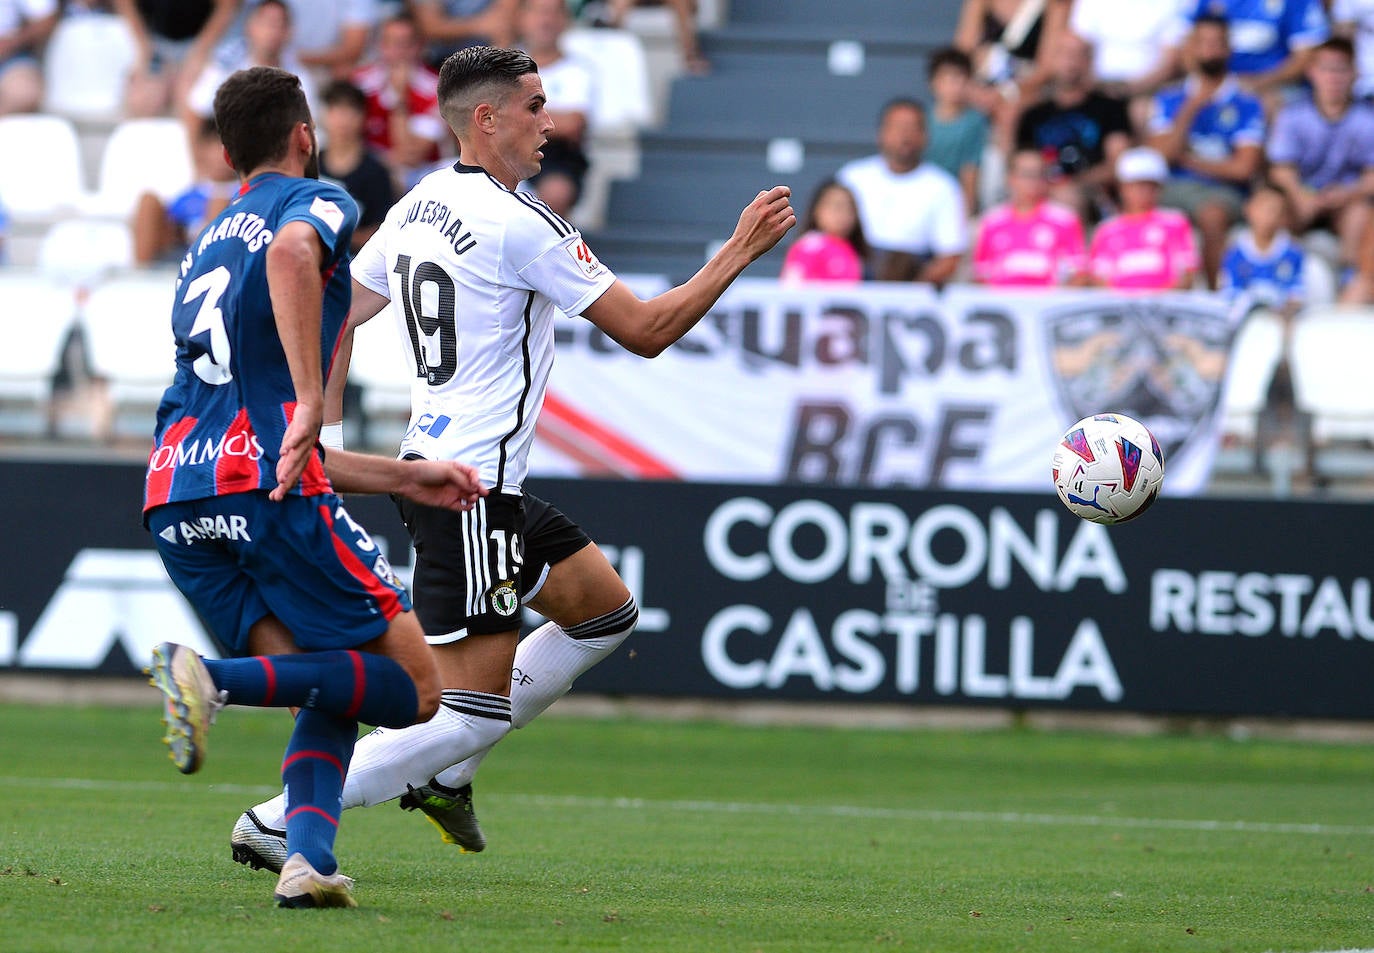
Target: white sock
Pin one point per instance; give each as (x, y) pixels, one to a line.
(387, 760)
(547, 662)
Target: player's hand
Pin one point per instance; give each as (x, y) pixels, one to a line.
(297, 448)
(764, 221)
(445, 483)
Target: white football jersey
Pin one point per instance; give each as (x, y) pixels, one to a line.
(475, 274)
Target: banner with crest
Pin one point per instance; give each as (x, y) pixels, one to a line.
(891, 385)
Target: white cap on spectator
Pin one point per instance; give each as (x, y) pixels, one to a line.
(1141, 164)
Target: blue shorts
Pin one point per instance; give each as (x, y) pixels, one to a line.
(241, 557)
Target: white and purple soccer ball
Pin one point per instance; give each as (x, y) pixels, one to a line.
(1108, 468)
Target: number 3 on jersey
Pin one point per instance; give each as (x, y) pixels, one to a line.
(428, 297)
(212, 365)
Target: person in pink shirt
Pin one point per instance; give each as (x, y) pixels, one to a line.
(1029, 241)
(1145, 248)
(832, 245)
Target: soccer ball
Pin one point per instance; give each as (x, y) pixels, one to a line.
(1108, 468)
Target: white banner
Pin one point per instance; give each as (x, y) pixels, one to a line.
(890, 385)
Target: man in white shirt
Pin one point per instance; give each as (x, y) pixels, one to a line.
(912, 212)
(266, 42)
(477, 272)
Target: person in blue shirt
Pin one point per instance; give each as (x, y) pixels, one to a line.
(1212, 133)
(240, 498)
(1263, 261)
(1271, 40)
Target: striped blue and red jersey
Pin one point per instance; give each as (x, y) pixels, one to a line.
(221, 422)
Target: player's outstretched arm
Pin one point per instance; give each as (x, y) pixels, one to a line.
(648, 327)
(444, 483)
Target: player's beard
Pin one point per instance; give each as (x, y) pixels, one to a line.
(312, 162)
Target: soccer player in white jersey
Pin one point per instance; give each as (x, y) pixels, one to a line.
(476, 271)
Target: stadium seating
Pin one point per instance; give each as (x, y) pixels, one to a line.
(1255, 353)
(85, 67)
(40, 167)
(83, 250)
(1330, 361)
(129, 336)
(382, 366)
(142, 155)
(37, 314)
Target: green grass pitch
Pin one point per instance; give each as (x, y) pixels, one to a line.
(692, 837)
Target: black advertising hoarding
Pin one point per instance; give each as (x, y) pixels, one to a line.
(1202, 606)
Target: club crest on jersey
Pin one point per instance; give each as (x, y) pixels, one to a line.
(584, 258)
(504, 600)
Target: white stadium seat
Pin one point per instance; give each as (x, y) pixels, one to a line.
(622, 101)
(128, 327)
(83, 250)
(1255, 354)
(86, 65)
(1330, 361)
(35, 315)
(382, 367)
(141, 155)
(40, 167)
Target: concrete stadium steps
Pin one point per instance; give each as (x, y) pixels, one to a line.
(934, 21)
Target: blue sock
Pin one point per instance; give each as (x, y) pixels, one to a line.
(356, 685)
(313, 772)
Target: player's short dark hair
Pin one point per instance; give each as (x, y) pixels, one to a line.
(949, 57)
(472, 74)
(255, 111)
(901, 102)
(1213, 19)
(1336, 44)
(341, 92)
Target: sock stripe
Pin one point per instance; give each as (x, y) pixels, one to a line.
(359, 684)
(312, 809)
(480, 704)
(269, 672)
(317, 755)
(611, 623)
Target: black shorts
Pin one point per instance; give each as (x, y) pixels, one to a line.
(474, 570)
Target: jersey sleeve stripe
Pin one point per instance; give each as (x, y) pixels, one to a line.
(547, 214)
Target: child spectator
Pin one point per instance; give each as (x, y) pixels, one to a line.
(831, 246)
(162, 232)
(958, 132)
(1263, 261)
(1029, 241)
(1145, 248)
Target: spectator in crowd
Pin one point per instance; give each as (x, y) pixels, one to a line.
(331, 37)
(449, 25)
(403, 127)
(1145, 248)
(347, 159)
(1029, 241)
(568, 84)
(1080, 130)
(1354, 20)
(1359, 287)
(1007, 40)
(25, 26)
(912, 212)
(1262, 260)
(1271, 40)
(162, 232)
(684, 22)
(1321, 151)
(174, 42)
(958, 132)
(1134, 42)
(1211, 131)
(832, 245)
(266, 42)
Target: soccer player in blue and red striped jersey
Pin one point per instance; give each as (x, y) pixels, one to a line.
(240, 496)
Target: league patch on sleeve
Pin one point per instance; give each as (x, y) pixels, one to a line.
(327, 212)
(587, 263)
